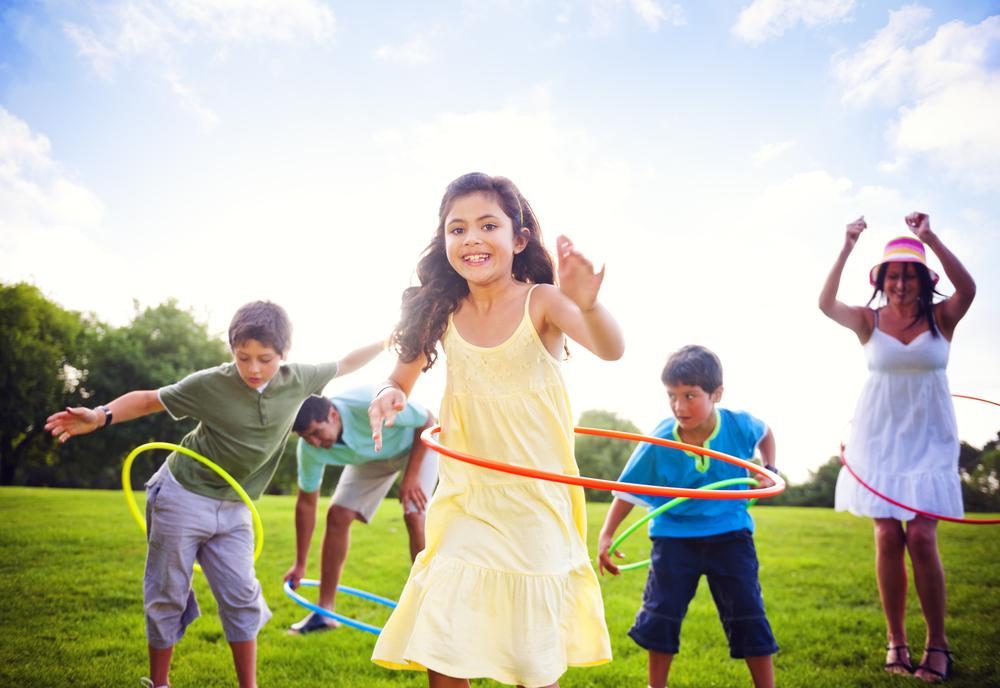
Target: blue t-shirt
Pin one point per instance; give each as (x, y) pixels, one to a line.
(355, 444)
(736, 433)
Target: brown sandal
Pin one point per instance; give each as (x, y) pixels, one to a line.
(941, 676)
(906, 666)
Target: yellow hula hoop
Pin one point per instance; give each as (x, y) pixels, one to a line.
(133, 507)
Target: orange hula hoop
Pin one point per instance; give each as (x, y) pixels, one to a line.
(928, 514)
(427, 437)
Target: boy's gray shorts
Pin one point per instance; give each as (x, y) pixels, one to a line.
(184, 526)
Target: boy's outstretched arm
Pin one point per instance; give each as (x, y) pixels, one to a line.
(616, 514)
(359, 357)
(81, 420)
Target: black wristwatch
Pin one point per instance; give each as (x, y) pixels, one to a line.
(107, 415)
(770, 467)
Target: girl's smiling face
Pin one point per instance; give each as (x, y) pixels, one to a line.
(480, 241)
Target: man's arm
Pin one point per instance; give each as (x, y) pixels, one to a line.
(305, 523)
(409, 489)
(81, 420)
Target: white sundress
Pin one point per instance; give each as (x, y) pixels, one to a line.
(904, 438)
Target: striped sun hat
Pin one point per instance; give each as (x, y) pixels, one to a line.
(902, 249)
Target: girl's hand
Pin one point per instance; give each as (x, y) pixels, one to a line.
(604, 562)
(920, 224)
(72, 422)
(854, 230)
(577, 278)
(383, 409)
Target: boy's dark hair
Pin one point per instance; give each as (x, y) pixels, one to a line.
(264, 321)
(693, 365)
(314, 408)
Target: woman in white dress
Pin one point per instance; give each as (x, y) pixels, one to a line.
(904, 440)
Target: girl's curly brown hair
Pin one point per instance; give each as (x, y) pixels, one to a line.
(425, 308)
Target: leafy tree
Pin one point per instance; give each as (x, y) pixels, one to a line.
(38, 339)
(817, 490)
(981, 478)
(161, 345)
(603, 457)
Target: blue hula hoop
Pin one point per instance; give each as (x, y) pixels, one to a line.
(360, 625)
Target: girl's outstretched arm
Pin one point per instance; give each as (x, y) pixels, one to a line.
(573, 307)
(390, 397)
(616, 514)
(853, 318)
(954, 308)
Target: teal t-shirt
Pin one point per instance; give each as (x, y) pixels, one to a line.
(355, 444)
(737, 433)
(240, 429)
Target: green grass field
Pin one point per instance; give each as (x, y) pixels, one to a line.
(71, 566)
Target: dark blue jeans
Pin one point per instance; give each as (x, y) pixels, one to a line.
(729, 561)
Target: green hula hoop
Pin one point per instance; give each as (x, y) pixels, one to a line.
(133, 507)
(670, 505)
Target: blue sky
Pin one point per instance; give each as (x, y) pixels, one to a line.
(710, 153)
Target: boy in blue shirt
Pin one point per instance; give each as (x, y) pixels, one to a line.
(700, 536)
(245, 411)
(336, 431)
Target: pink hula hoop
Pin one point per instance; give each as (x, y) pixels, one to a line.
(928, 514)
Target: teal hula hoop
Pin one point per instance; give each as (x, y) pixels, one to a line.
(360, 625)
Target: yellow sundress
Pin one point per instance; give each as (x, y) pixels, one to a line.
(505, 588)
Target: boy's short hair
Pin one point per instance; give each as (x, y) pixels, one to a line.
(314, 408)
(264, 321)
(693, 365)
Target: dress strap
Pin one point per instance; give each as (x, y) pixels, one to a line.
(527, 301)
(876, 318)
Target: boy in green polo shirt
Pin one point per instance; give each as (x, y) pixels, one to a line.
(245, 411)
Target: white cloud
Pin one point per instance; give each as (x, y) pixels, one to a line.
(770, 151)
(947, 91)
(956, 128)
(191, 102)
(652, 13)
(135, 27)
(765, 19)
(259, 20)
(47, 220)
(880, 70)
(115, 34)
(414, 51)
(605, 15)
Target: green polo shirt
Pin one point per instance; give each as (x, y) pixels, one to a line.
(242, 430)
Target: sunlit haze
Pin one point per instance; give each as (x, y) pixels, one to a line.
(708, 153)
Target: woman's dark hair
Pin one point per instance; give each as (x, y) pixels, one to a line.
(925, 297)
(425, 308)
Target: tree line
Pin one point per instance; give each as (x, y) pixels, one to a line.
(53, 357)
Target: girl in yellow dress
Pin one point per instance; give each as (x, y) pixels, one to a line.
(504, 589)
